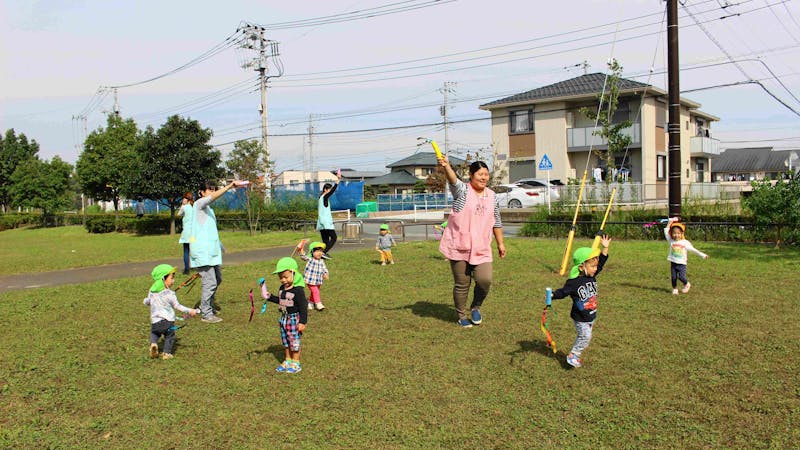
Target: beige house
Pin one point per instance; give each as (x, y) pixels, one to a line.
(299, 177)
(548, 120)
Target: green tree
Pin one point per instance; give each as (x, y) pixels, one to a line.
(14, 150)
(248, 161)
(613, 133)
(171, 161)
(776, 205)
(42, 184)
(107, 158)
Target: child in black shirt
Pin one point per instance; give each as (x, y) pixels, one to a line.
(582, 287)
(292, 304)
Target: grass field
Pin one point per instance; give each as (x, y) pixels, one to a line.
(47, 249)
(385, 366)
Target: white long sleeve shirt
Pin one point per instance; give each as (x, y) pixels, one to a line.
(678, 250)
(163, 305)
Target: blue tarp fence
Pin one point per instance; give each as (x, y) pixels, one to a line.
(347, 195)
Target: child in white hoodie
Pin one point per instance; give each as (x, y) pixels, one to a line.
(678, 256)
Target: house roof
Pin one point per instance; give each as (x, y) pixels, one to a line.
(398, 177)
(424, 159)
(584, 86)
(351, 174)
(752, 159)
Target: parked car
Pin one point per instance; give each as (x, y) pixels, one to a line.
(516, 196)
(541, 183)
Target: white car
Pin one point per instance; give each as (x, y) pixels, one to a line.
(516, 196)
(541, 183)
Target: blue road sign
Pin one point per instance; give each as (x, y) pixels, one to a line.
(545, 163)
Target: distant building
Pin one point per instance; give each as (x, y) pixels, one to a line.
(406, 172)
(752, 163)
(290, 177)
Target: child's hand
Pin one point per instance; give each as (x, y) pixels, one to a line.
(605, 240)
(325, 276)
(194, 312)
(301, 327)
(261, 281)
(705, 257)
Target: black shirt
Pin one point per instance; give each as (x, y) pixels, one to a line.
(583, 291)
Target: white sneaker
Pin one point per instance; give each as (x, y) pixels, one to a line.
(320, 306)
(383, 263)
(686, 288)
(674, 292)
(310, 306)
(211, 319)
(391, 262)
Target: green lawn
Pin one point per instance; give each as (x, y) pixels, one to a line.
(29, 250)
(385, 366)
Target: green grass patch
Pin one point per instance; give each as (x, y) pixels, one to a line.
(29, 250)
(385, 366)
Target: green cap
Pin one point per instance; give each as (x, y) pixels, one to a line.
(579, 257)
(385, 226)
(315, 245)
(288, 263)
(159, 273)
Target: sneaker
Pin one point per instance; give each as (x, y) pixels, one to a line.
(674, 292)
(310, 306)
(573, 360)
(475, 317)
(153, 351)
(391, 262)
(211, 319)
(282, 368)
(383, 263)
(293, 368)
(167, 356)
(465, 323)
(320, 306)
(686, 288)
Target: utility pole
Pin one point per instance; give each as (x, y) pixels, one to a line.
(674, 100)
(311, 148)
(254, 40)
(116, 103)
(448, 88)
(585, 66)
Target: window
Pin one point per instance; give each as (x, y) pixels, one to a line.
(521, 121)
(661, 167)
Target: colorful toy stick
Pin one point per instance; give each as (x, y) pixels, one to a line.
(264, 294)
(596, 243)
(571, 235)
(299, 247)
(436, 149)
(190, 282)
(544, 325)
(252, 305)
(338, 172)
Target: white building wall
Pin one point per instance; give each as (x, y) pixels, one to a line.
(551, 138)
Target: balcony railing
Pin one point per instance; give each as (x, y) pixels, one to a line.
(704, 146)
(583, 137)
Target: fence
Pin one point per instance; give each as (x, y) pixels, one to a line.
(348, 194)
(407, 202)
(639, 193)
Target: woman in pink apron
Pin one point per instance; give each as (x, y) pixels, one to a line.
(467, 240)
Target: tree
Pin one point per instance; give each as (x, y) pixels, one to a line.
(42, 184)
(106, 159)
(612, 133)
(248, 161)
(776, 204)
(172, 161)
(14, 151)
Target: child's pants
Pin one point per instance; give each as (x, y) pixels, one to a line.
(163, 328)
(314, 297)
(583, 338)
(463, 274)
(678, 272)
(386, 255)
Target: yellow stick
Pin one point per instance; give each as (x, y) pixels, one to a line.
(436, 149)
(568, 250)
(596, 243)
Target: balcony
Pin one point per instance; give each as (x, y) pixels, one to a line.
(579, 139)
(702, 146)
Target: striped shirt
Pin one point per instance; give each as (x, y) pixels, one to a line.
(459, 191)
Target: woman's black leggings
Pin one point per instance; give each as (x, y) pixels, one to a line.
(328, 238)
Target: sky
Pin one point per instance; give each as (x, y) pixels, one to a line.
(370, 77)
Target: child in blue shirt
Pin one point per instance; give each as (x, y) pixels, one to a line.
(582, 288)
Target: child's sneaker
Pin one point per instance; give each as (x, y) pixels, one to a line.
(573, 360)
(383, 263)
(686, 288)
(293, 368)
(153, 351)
(320, 306)
(391, 262)
(674, 292)
(465, 323)
(167, 356)
(282, 368)
(310, 306)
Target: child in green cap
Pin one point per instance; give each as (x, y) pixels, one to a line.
(582, 287)
(292, 303)
(315, 272)
(384, 245)
(163, 302)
